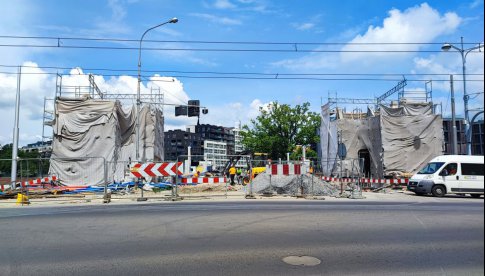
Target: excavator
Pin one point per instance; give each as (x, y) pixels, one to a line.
(259, 160)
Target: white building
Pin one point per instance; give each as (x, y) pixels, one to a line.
(238, 146)
(216, 153)
(38, 147)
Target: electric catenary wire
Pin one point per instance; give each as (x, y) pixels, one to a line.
(58, 42)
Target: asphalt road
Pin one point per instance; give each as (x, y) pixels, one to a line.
(442, 237)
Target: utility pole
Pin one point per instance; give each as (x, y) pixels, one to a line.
(16, 132)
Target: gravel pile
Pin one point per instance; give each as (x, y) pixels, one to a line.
(293, 185)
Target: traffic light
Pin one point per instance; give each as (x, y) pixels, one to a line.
(193, 108)
(181, 110)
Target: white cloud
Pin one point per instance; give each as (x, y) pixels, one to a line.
(230, 113)
(217, 19)
(416, 24)
(35, 85)
(224, 4)
(452, 63)
(303, 26)
(259, 6)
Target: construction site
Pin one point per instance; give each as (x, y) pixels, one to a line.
(390, 138)
(105, 142)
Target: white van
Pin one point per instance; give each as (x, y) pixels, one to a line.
(450, 174)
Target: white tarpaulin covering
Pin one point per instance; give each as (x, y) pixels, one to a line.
(328, 140)
(411, 136)
(89, 132)
(398, 140)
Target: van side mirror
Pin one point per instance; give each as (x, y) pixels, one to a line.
(444, 172)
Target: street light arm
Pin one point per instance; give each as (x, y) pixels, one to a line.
(173, 20)
(473, 48)
(446, 47)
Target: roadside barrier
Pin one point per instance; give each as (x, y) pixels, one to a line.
(203, 180)
(148, 170)
(368, 180)
(39, 181)
(285, 169)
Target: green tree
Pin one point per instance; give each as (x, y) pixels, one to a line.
(29, 163)
(297, 153)
(279, 128)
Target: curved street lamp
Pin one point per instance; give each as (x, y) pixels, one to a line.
(138, 100)
(464, 53)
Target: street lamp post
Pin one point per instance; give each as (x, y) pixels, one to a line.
(138, 100)
(464, 53)
(453, 118)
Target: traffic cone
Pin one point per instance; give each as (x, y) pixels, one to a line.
(22, 199)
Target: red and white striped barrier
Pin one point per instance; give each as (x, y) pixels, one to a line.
(368, 180)
(285, 169)
(202, 180)
(385, 181)
(148, 170)
(38, 181)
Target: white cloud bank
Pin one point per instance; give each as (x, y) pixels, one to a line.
(420, 24)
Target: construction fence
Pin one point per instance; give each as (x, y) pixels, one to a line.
(94, 178)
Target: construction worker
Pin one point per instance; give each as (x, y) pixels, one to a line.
(232, 174)
(239, 175)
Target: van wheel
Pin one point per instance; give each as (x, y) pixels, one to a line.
(475, 195)
(438, 190)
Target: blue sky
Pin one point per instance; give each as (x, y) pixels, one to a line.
(229, 100)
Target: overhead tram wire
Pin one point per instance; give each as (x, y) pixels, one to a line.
(215, 49)
(294, 45)
(251, 78)
(225, 42)
(230, 73)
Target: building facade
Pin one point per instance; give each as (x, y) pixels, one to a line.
(477, 136)
(217, 133)
(448, 136)
(238, 146)
(178, 141)
(43, 148)
(216, 153)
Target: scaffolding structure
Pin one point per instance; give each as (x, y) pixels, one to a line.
(90, 123)
(155, 99)
(404, 96)
(398, 113)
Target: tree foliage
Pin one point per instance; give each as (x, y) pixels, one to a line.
(28, 165)
(279, 128)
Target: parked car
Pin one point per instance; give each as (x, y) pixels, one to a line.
(450, 174)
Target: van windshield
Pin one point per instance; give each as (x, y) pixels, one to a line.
(431, 168)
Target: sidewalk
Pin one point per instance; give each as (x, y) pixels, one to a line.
(221, 196)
